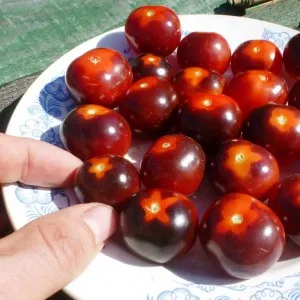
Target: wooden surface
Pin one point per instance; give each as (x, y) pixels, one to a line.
(34, 33)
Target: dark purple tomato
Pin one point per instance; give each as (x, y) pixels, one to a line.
(146, 64)
(291, 57)
(174, 162)
(149, 103)
(99, 76)
(107, 179)
(192, 80)
(275, 127)
(91, 130)
(208, 50)
(285, 202)
(256, 55)
(159, 225)
(210, 119)
(242, 167)
(242, 235)
(255, 88)
(153, 29)
(294, 95)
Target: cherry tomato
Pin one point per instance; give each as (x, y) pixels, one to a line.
(255, 88)
(256, 54)
(91, 130)
(285, 203)
(210, 119)
(107, 179)
(194, 79)
(153, 29)
(242, 235)
(207, 50)
(291, 57)
(99, 76)
(159, 225)
(149, 103)
(242, 167)
(174, 162)
(294, 95)
(145, 65)
(275, 127)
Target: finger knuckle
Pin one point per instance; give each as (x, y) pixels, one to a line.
(65, 247)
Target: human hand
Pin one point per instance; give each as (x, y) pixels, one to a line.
(48, 253)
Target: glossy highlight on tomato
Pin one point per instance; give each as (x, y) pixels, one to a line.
(159, 225)
(255, 88)
(285, 202)
(291, 57)
(210, 119)
(192, 80)
(99, 76)
(257, 55)
(242, 235)
(274, 127)
(242, 167)
(91, 130)
(208, 50)
(146, 64)
(153, 29)
(174, 162)
(149, 104)
(294, 95)
(108, 179)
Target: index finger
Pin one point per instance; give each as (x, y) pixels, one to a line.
(35, 162)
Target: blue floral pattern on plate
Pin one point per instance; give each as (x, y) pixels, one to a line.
(47, 112)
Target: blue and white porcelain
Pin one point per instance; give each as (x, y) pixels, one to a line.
(115, 273)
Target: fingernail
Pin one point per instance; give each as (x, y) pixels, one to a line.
(101, 220)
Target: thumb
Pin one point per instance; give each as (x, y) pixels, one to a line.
(48, 253)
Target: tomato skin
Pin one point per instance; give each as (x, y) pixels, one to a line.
(242, 167)
(274, 127)
(159, 225)
(257, 55)
(206, 50)
(255, 88)
(242, 235)
(90, 130)
(294, 95)
(291, 57)
(149, 105)
(143, 25)
(100, 76)
(108, 179)
(146, 64)
(174, 162)
(193, 80)
(210, 119)
(285, 203)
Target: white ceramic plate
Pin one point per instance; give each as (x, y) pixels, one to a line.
(115, 273)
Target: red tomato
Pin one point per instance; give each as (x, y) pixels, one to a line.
(242, 235)
(256, 54)
(208, 50)
(99, 76)
(153, 29)
(255, 88)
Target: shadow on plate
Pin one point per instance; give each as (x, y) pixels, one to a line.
(55, 99)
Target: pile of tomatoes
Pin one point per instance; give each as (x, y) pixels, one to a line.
(234, 131)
